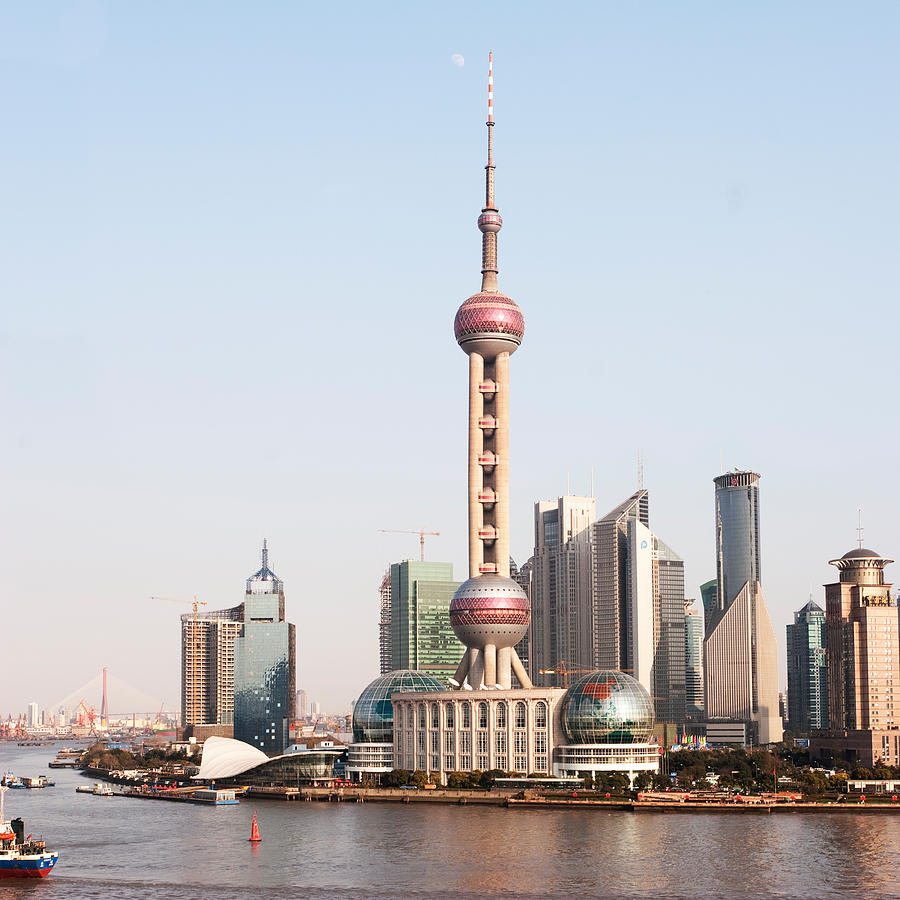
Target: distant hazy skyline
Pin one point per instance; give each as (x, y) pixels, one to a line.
(236, 236)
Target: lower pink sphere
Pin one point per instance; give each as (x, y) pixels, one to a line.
(490, 609)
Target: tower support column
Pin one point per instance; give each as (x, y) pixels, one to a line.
(476, 444)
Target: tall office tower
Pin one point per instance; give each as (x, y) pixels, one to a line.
(862, 645)
(301, 709)
(421, 636)
(33, 720)
(807, 675)
(669, 665)
(612, 624)
(638, 622)
(490, 612)
(693, 662)
(384, 624)
(740, 651)
(207, 666)
(561, 586)
(265, 664)
(522, 576)
(652, 649)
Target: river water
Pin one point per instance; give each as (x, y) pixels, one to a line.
(119, 848)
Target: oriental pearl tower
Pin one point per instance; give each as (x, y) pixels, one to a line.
(489, 612)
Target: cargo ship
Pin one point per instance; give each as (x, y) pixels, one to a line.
(21, 857)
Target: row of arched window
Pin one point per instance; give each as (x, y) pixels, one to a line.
(481, 711)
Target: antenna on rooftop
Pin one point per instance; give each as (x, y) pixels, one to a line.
(859, 527)
(640, 469)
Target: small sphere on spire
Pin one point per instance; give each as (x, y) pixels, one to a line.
(490, 221)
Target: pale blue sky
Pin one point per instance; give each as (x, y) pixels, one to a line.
(235, 237)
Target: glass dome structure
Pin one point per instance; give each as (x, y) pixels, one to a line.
(607, 707)
(373, 714)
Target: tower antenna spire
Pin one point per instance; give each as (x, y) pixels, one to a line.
(265, 554)
(489, 222)
(859, 527)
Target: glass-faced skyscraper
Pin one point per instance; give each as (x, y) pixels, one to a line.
(807, 676)
(420, 633)
(737, 535)
(265, 665)
(740, 651)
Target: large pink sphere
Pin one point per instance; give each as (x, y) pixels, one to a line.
(490, 609)
(489, 322)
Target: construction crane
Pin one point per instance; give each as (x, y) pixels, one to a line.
(562, 669)
(421, 535)
(195, 646)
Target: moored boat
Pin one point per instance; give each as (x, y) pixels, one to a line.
(20, 856)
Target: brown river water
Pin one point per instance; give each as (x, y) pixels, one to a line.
(119, 848)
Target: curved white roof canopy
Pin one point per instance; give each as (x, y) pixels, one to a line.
(225, 757)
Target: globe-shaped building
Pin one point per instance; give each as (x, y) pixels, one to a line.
(373, 714)
(607, 707)
(490, 609)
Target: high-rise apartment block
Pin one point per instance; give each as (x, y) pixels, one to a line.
(207, 666)
(421, 635)
(384, 624)
(561, 585)
(238, 665)
(740, 650)
(863, 660)
(807, 675)
(694, 704)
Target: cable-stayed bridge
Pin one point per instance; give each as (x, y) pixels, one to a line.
(124, 699)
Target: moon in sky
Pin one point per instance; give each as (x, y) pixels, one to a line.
(458, 60)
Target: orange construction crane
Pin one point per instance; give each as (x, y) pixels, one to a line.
(421, 535)
(562, 669)
(195, 644)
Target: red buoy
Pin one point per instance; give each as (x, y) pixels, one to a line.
(254, 830)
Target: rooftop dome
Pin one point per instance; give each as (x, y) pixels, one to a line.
(492, 317)
(607, 707)
(373, 714)
(861, 553)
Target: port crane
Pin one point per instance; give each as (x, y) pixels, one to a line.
(89, 714)
(421, 534)
(195, 646)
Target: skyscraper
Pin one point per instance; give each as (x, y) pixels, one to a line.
(265, 664)
(421, 636)
(561, 586)
(207, 666)
(863, 652)
(740, 651)
(639, 604)
(693, 662)
(384, 624)
(522, 576)
(806, 672)
(612, 623)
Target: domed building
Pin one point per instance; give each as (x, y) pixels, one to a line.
(606, 718)
(372, 752)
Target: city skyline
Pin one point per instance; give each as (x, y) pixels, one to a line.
(701, 199)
